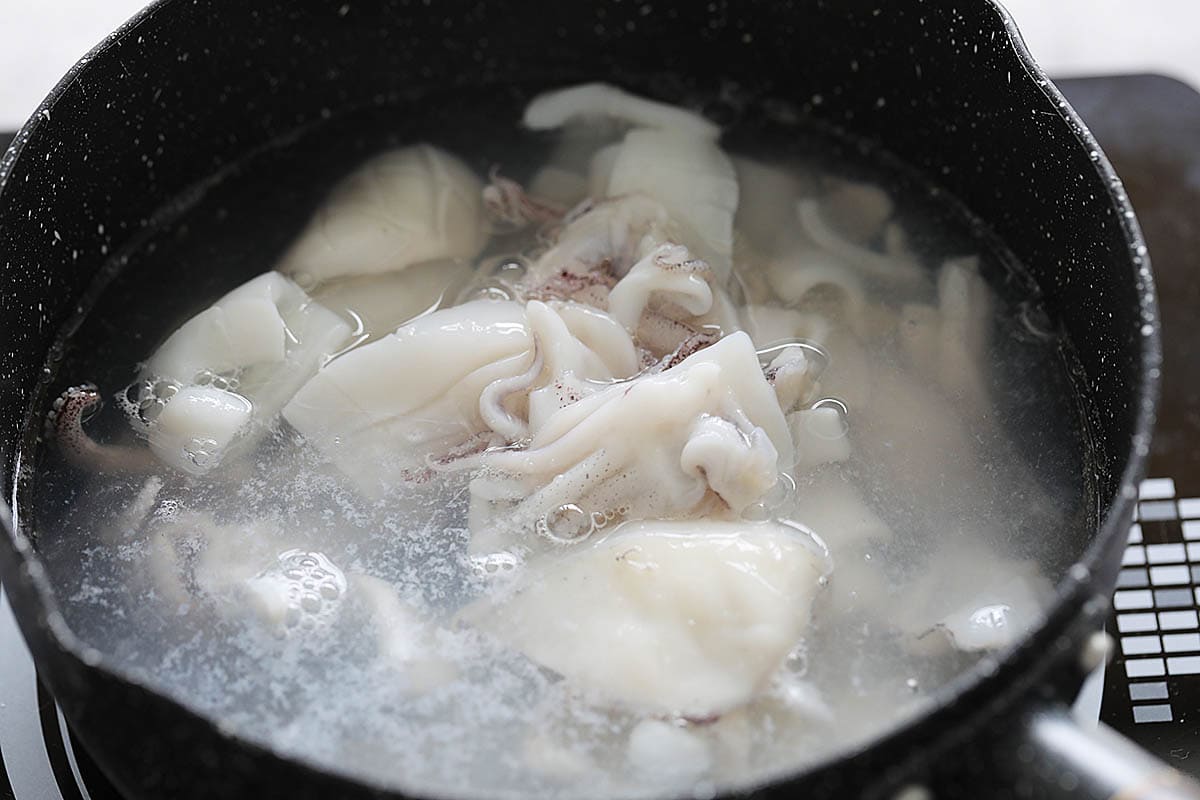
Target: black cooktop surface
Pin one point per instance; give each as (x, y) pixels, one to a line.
(1150, 127)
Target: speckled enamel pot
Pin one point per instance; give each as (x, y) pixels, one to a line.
(190, 86)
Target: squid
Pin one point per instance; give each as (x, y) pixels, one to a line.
(400, 208)
(555, 109)
(972, 600)
(895, 265)
(378, 304)
(405, 638)
(599, 245)
(452, 383)
(771, 325)
(64, 426)
(949, 344)
(582, 351)
(668, 271)
(666, 755)
(220, 378)
(621, 257)
(250, 569)
(704, 436)
(846, 373)
(694, 181)
(688, 618)
(509, 203)
(559, 185)
(767, 199)
(860, 211)
(834, 510)
(818, 283)
(668, 297)
(820, 434)
(669, 155)
(831, 507)
(377, 410)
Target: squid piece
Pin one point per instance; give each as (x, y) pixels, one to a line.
(197, 426)
(456, 380)
(972, 599)
(64, 426)
(794, 373)
(400, 208)
(606, 239)
(221, 377)
(667, 299)
(242, 571)
(894, 266)
(949, 344)
(564, 178)
(846, 372)
(668, 271)
(687, 618)
(509, 203)
(379, 410)
(666, 754)
(279, 594)
(404, 639)
(820, 435)
(860, 211)
(381, 303)
(250, 325)
(769, 325)
(190, 557)
(600, 169)
(555, 109)
(558, 185)
(831, 507)
(767, 199)
(583, 350)
(694, 181)
(621, 451)
(828, 504)
(736, 465)
(818, 282)
(930, 453)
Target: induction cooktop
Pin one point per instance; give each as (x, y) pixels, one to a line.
(1149, 126)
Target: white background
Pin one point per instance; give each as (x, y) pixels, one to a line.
(40, 39)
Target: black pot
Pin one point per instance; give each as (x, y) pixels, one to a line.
(190, 86)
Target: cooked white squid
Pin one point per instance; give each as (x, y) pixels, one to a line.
(379, 304)
(599, 246)
(557, 108)
(694, 181)
(767, 199)
(670, 297)
(400, 208)
(687, 617)
(379, 410)
(702, 436)
(972, 599)
(235, 363)
(948, 344)
(452, 382)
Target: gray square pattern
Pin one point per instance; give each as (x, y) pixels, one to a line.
(1157, 601)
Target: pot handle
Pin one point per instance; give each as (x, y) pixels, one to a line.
(1057, 758)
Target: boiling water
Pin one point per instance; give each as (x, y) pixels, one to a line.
(960, 504)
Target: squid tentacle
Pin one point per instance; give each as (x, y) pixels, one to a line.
(64, 425)
(508, 201)
(491, 400)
